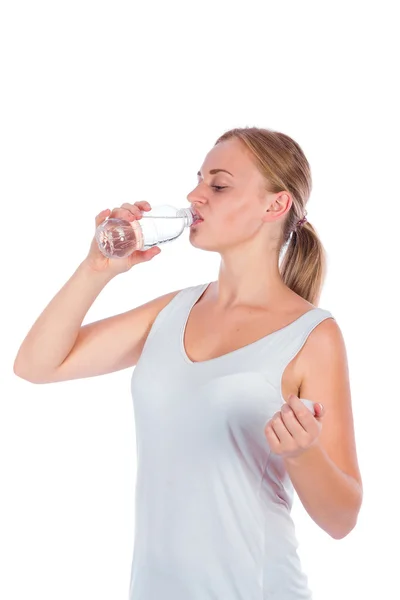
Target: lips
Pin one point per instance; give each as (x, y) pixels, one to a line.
(198, 216)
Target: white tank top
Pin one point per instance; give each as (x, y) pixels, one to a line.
(212, 513)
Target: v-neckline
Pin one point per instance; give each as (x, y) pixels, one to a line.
(203, 288)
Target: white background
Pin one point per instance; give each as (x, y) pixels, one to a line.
(111, 102)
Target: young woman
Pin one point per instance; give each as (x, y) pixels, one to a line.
(222, 369)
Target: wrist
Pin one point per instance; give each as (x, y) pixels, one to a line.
(303, 457)
(88, 271)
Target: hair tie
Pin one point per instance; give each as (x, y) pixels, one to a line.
(301, 222)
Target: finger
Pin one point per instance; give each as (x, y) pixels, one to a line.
(272, 438)
(281, 431)
(302, 413)
(291, 423)
(137, 207)
(102, 216)
(127, 212)
(145, 255)
(151, 252)
(132, 207)
(143, 205)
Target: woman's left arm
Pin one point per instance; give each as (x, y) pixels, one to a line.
(319, 452)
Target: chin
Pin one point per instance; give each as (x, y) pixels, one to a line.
(204, 246)
(196, 241)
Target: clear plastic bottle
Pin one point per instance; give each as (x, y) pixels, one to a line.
(118, 238)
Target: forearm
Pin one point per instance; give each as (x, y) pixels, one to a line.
(332, 498)
(54, 333)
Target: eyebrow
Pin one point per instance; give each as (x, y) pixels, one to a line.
(214, 171)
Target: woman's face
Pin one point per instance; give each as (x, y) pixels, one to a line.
(233, 205)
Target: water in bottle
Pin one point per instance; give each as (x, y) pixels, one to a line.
(117, 238)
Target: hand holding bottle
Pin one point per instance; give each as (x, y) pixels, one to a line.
(96, 259)
(118, 238)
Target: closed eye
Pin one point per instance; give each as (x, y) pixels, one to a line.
(219, 187)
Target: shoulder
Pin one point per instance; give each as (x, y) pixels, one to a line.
(324, 329)
(325, 344)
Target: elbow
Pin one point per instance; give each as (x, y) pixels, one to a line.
(25, 376)
(342, 533)
(18, 372)
(347, 527)
(17, 369)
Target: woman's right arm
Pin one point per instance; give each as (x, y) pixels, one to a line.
(59, 348)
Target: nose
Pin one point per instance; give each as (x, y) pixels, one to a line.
(196, 196)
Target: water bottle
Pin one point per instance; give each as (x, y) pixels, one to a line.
(118, 238)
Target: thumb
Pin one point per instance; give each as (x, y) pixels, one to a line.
(319, 410)
(102, 216)
(146, 255)
(150, 252)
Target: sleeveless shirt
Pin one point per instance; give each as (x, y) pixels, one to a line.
(212, 503)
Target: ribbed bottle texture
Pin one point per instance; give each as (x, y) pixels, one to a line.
(118, 238)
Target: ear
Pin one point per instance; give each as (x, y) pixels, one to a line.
(279, 205)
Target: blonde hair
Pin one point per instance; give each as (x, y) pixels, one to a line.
(283, 163)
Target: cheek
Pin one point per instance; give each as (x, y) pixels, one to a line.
(237, 211)
(241, 219)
